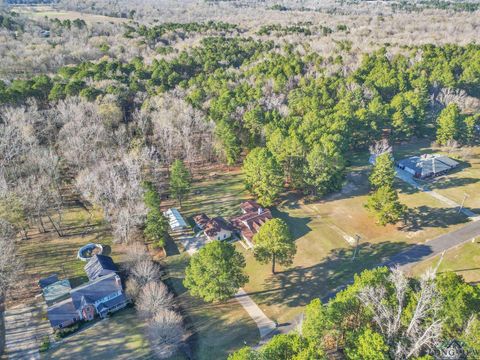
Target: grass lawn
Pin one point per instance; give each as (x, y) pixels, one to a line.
(118, 337)
(464, 180)
(324, 231)
(216, 329)
(464, 260)
(43, 254)
(216, 193)
(51, 12)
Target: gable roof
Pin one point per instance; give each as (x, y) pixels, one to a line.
(249, 206)
(99, 265)
(95, 290)
(201, 220)
(215, 225)
(175, 219)
(250, 223)
(61, 312)
(56, 291)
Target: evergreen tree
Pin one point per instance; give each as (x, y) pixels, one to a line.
(383, 173)
(385, 205)
(180, 181)
(449, 124)
(324, 169)
(471, 124)
(263, 176)
(274, 243)
(215, 272)
(370, 345)
(156, 225)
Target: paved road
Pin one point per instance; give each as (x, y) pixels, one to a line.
(24, 332)
(436, 246)
(404, 259)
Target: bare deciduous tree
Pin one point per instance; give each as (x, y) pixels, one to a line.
(10, 264)
(153, 298)
(145, 271)
(166, 333)
(423, 331)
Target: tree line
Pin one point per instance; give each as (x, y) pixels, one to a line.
(383, 315)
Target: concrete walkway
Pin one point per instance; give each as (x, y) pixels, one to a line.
(407, 177)
(192, 244)
(264, 324)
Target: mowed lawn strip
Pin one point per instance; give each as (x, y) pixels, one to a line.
(217, 329)
(324, 233)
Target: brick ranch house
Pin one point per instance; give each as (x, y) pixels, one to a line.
(249, 222)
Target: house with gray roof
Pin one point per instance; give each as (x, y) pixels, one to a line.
(100, 296)
(62, 314)
(57, 291)
(427, 166)
(99, 265)
(95, 297)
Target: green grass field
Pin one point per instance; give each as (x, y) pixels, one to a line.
(43, 254)
(464, 260)
(118, 337)
(216, 329)
(322, 231)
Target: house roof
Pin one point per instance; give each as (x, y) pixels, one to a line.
(427, 165)
(98, 265)
(175, 219)
(250, 223)
(112, 302)
(95, 290)
(61, 312)
(56, 291)
(201, 220)
(48, 281)
(249, 206)
(215, 225)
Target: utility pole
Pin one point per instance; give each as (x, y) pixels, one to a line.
(465, 196)
(357, 241)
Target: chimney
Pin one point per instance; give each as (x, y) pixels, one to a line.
(260, 210)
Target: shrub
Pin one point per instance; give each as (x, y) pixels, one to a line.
(62, 333)
(45, 344)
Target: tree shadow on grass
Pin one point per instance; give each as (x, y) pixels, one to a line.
(298, 225)
(171, 248)
(423, 217)
(298, 286)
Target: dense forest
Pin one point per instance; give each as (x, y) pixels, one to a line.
(122, 113)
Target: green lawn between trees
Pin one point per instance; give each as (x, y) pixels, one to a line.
(119, 337)
(322, 229)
